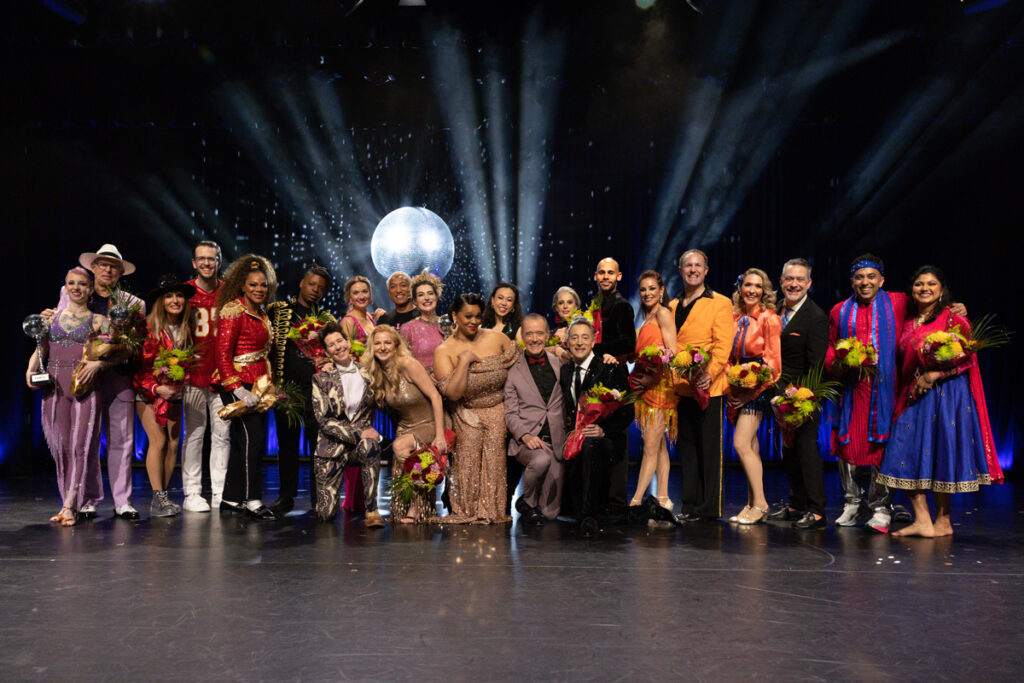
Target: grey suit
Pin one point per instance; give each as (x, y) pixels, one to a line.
(526, 413)
(339, 444)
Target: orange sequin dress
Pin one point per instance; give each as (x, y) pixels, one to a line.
(662, 396)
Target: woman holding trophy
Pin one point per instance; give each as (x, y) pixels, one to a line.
(71, 423)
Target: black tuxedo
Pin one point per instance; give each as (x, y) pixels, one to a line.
(618, 336)
(597, 476)
(804, 343)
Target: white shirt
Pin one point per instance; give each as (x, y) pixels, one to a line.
(575, 369)
(353, 384)
(794, 309)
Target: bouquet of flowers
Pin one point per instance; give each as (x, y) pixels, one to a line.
(306, 332)
(799, 402)
(286, 396)
(598, 403)
(358, 348)
(171, 368)
(853, 353)
(422, 471)
(749, 376)
(123, 339)
(687, 364)
(949, 348)
(648, 367)
(745, 379)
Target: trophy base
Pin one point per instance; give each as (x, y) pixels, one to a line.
(41, 379)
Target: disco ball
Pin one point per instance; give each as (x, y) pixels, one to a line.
(412, 239)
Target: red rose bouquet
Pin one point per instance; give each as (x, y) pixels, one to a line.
(598, 403)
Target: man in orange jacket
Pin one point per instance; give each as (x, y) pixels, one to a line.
(703, 319)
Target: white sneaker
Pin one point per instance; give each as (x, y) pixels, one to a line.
(87, 511)
(849, 516)
(195, 503)
(879, 521)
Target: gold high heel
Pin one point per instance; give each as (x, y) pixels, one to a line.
(736, 517)
(762, 515)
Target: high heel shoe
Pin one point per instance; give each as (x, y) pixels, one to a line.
(736, 517)
(762, 515)
(666, 503)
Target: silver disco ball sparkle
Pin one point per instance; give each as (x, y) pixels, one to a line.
(412, 239)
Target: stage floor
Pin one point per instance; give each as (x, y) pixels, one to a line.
(215, 597)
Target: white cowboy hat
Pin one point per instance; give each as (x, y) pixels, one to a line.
(106, 251)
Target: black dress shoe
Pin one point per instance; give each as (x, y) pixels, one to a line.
(786, 514)
(588, 527)
(688, 517)
(810, 521)
(282, 506)
(534, 516)
(261, 513)
(230, 507)
(521, 506)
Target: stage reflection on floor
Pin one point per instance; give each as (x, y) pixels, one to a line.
(211, 596)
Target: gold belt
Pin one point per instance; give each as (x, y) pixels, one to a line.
(248, 358)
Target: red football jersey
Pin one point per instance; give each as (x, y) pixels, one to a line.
(204, 305)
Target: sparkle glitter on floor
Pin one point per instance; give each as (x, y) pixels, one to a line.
(215, 597)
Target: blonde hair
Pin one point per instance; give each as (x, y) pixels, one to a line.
(352, 283)
(427, 278)
(767, 293)
(157, 321)
(383, 377)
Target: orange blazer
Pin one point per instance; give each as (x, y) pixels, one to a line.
(709, 326)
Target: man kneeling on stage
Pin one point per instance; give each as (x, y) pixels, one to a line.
(605, 442)
(345, 414)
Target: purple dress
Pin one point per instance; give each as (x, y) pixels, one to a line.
(71, 425)
(423, 338)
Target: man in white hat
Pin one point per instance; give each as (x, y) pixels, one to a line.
(117, 396)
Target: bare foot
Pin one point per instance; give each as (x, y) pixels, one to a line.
(943, 528)
(923, 529)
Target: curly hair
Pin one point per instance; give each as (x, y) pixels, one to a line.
(768, 296)
(382, 377)
(238, 271)
(427, 278)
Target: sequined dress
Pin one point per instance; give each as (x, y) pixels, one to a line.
(478, 467)
(71, 425)
(416, 417)
(662, 396)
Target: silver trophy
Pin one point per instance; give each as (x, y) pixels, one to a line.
(446, 324)
(118, 315)
(36, 327)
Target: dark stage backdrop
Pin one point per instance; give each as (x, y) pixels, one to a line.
(545, 135)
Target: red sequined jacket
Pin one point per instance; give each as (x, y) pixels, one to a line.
(243, 343)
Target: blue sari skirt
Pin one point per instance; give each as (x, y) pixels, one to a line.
(937, 443)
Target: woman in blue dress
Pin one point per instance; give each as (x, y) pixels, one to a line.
(941, 438)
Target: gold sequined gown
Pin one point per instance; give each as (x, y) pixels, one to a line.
(416, 417)
(478, 467)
